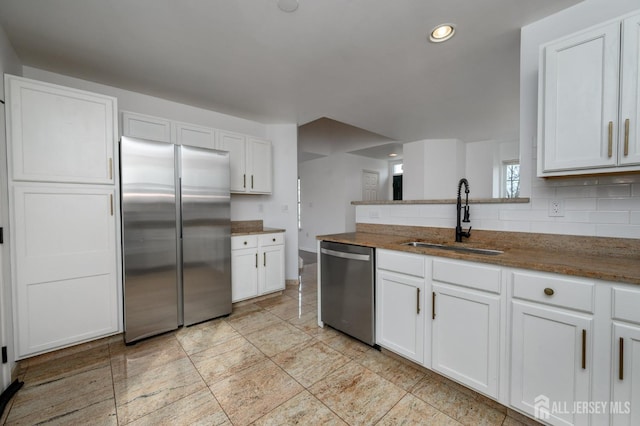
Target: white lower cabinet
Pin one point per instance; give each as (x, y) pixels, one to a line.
(272, 271)
(65, 265)
(551, 346)
(257, 265)
(244, 274)
(626, 375)
(625, 371)
(400, 307)
(466, 324)
(561, 349)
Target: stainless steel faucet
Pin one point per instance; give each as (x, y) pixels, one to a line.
(459, 232)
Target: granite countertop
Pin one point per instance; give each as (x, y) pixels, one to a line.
(609, 259)
(258, 231)
(251, 227)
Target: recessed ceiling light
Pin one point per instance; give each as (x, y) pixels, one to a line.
(442, 33)
(393, 155)
(288, 5)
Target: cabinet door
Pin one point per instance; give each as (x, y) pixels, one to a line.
(192, 135)
(58, 134)
(244, 274)
(65, 276)
(465, 336)
(272, 272)
(236, 145)
(626, 375)
(146, 127)
(400, 314)
(630, 92)
(259, 166)
(550, 362)
(579, 115)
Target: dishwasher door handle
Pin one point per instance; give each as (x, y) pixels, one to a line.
(344, 255)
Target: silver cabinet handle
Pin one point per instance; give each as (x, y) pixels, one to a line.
(626, 137)
(621, 360)
(433, 305)
(610, 149)
(584, 349)
(344, 255)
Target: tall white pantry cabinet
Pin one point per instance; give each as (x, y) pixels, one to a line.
(62, 168)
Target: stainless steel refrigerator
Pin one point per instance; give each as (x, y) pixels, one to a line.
(176, 236)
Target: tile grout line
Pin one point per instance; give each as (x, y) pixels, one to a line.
(202, 378)
(113, 384)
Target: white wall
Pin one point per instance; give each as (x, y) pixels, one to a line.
(606, 206)
(328, 185)
(484, 161)
(10, 64)
(413, 175)
(480, 159)
(269, 208)
(429, 165)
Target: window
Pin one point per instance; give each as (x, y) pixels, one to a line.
(511, 179)
(299, 207)
(397, 169)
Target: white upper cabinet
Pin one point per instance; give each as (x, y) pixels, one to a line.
(192, 135)
(630, 91)
(259, 165)
(250, 160)
(146, 127)
(59, 134)
(584, 80)
(235, 144)
(160, 129)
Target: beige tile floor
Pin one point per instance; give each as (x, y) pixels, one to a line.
(266, 364)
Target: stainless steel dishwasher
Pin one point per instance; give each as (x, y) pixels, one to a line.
(348, 289)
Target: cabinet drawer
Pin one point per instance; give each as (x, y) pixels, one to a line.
(554, 290)
(470, 275)
(244, 241)
(404, 263)
(625, 304)
(271, 239)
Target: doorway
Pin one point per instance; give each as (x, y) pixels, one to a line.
(370, 185)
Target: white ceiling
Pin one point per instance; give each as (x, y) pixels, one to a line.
(363, 62)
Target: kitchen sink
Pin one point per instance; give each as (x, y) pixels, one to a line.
(474, 250)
